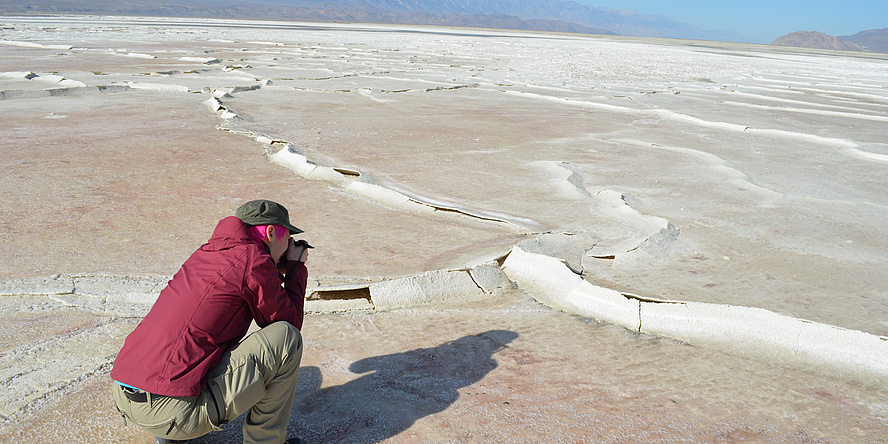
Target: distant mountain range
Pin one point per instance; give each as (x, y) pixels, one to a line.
(622, 22)
(542, 15)
(538, 15)
(875, 40)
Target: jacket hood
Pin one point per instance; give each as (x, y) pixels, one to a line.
(230, 232)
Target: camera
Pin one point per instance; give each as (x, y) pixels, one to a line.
(302, 243)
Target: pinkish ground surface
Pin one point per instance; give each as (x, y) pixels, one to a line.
(127, 174)
(506, 369)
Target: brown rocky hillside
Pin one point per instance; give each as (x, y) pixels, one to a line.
(819, 40)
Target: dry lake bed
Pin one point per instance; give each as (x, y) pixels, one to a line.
(521, 237)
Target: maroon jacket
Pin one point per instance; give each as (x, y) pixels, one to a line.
(206, 309)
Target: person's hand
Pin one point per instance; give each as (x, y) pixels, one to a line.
(298, 250)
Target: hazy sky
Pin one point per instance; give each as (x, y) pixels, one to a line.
(765, 20)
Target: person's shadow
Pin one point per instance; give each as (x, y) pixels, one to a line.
(398, 390)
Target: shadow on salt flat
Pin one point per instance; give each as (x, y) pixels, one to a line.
(393, 392)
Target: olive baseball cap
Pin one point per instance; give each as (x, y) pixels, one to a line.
(266, 212)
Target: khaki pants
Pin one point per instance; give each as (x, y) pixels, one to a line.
(258, 374)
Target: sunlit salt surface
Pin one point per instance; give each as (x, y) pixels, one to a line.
(695, 171)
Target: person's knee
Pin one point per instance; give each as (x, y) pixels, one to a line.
(286, 334)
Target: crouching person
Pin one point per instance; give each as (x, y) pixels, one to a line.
(187, 369)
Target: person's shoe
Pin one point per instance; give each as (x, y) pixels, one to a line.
(295, 441)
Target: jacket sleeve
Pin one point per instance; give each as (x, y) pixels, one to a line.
(270, 302)
(295, 282)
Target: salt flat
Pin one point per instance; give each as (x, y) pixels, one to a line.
(705, 172)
